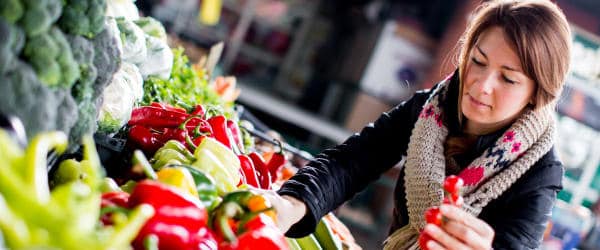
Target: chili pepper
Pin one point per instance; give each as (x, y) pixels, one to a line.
(234, 130)
(262, 172)
(433, 216)
(197, 127)
(205, 186)
(276, 162)
(173, 134)
(198, 110)
(156, 117)
(179, 221)
(166, 106)
(179, 147)
(164, 157)
(139, 160)
(249, 171)
(180, 178)
(219, 127)
(144, 138)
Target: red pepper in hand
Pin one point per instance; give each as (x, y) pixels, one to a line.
(179, 221)
(276, 162)
(219, 127)
(144, 138)
(262, 172)
(248, 168)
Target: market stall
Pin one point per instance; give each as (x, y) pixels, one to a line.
(112, 139)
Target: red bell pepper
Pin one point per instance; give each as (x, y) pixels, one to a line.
(249, 172)
(262, 172)
(179, 221)
(240, 226)
(276, 162)
(219, 127)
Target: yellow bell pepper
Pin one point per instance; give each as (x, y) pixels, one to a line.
(180, 178)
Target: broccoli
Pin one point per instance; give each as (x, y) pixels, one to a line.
(83, 17)
(43, 60)
(68, 65)
(23, 95)
(98, 59)
(11, 10)
(83, 52)
(51, 57)
(10, 45)
(67, 111)
(39, 15)
(86, 121)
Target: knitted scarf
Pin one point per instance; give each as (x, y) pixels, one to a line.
(487, 177)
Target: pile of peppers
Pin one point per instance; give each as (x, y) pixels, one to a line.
(179, 221)
(244, 220)
(150, 127)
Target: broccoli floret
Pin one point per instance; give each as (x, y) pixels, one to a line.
(83, 17)
(51, 57)
(83, 52)
(98, 59)
(23, 95)
(11, 10)
(40, 15)
(41, 51)
(86, 121)
(67, 111)
(10, 45)
(68, 65)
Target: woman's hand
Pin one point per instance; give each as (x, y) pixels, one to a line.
(289, 209)
(461, 230)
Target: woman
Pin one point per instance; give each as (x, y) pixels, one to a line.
(490, 123)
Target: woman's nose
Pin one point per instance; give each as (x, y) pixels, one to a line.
(486, 83)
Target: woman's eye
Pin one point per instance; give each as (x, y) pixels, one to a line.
(506, 79)
(475, 61)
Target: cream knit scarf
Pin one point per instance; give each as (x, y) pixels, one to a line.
(486, 178)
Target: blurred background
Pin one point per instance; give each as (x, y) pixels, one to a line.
(317, 71)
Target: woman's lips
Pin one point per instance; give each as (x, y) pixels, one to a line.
(477, 103)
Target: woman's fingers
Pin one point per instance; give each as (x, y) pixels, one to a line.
(443, 239)
(458, 215)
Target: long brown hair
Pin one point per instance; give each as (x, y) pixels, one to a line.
(541, 37)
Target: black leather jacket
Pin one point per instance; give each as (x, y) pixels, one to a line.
(518, 216)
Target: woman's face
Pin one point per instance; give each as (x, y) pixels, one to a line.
(495, 89)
